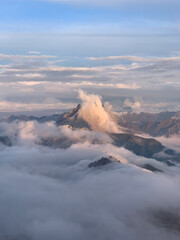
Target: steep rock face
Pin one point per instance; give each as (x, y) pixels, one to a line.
(72, 119)
(138, 145)
(151, 168)
(160, 124)
(101, 162)
(61, 142)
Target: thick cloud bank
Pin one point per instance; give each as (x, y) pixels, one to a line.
(51, 193)
(95, 114)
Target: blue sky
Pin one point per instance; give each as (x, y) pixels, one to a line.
(92, 27)
(49, 16)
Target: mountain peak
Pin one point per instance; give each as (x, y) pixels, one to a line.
(72, 119)
(91, 115)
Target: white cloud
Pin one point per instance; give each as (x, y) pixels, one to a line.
(98, 117)
(136, 58)
(129, 58)
(34, 52)
(51, 193)
(153, 82)
(135, 106)
(12, 57)
(30, 75)
(30, 83)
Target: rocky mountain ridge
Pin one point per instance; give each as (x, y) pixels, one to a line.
(160, 124)
(145, 147)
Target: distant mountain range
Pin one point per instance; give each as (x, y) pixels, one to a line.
(165, 123)
(25, 118)
(159, 124)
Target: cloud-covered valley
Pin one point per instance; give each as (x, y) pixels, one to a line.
(47, 192)
(67, 191)
(48, 189)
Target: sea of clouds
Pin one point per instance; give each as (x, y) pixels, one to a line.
(51, 193)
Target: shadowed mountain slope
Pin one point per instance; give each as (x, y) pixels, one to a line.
(145, 147)
(138, 145)
(159, 124)
(72, 119)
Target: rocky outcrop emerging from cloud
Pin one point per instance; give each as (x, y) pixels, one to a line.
(93, 115)
(138, 145)
(52, 193)
(90, 114)
(99, 163)
(73, 120)
(52, 136)
(73, 127)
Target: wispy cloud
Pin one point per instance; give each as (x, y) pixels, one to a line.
(12, 57)
(34, 52)
(110, 3)
(152, 82)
